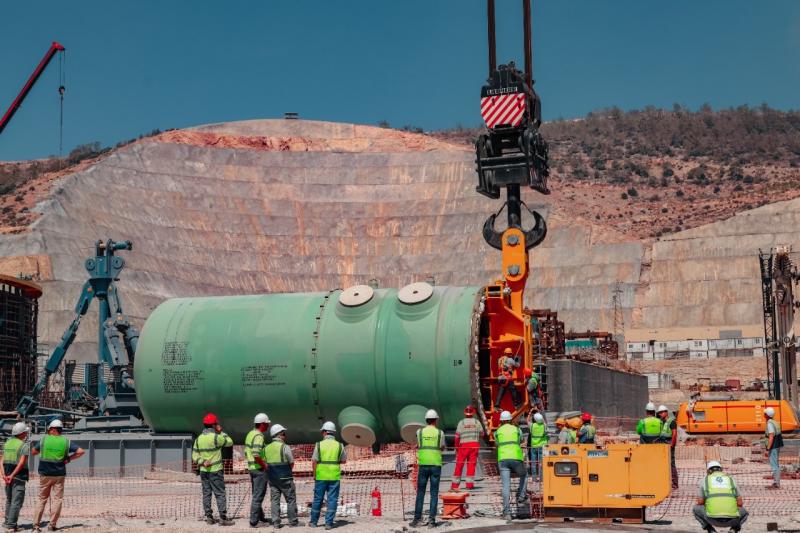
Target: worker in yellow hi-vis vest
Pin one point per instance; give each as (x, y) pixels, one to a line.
(719, 503)
(510, 459)
(430, 443)
(254, 451)
(54, 451)
(326, 463)
(207, 455)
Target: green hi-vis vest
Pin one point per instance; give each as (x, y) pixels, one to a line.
(278, 467)
(328, 467)
(429, 451)
(650, 428)
(777, 442)
(587, 434)
(508, 443)
(11, 455)
(11, 451)
(208, 447)
(53, 449)
(254, 447)
(720, 496)
(666, 431)
(538, 435)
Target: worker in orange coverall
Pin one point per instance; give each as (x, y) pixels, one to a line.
(468, 435)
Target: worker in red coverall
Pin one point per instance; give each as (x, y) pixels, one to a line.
(468, 435)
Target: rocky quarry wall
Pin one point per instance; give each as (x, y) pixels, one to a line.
(276, 205)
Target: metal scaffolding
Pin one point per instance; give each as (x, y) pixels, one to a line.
(19, 311)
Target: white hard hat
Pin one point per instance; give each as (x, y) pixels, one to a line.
(277, 428)
(538, 417)
(650, 406)
(769, 411)
(261, 418)
(329, 426)
(505, 416)
(18, 428)
(662, 408)
(713, 464)
(57, 423)
(431, 414)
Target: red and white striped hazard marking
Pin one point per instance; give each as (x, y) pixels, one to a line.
(503, 109)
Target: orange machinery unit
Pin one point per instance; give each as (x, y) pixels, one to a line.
(735, 416)
(612, 483)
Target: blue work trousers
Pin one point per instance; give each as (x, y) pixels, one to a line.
(536, 463)
(434, 474)
(775, 466)
(507, 466)
(321, 488)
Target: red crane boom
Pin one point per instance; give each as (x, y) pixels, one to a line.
(54, 48)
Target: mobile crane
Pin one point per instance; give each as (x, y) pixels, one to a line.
(40, 68)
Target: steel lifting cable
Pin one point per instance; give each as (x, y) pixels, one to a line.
(62, 80)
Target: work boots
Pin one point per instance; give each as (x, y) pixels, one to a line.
(224, 521)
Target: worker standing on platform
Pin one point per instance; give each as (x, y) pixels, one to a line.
(539, 438)
(719, 503)
(649, 427)
(669, 435)
(254, 447)
(207, 455)
(467, 443)
(15, 472)
(587, 432)
(326, 463)
(430, 443)
(506, 366)
(54, 451)
(565, 435)
(510, 459)
(280, 462)
(774, 444)
(534, 390)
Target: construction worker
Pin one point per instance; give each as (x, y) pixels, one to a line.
(534, 391)
(506, 365)
(55, 452)
(326, 462)
(669, 435)
(774, 443)
(254, 452)
(539, 437)
(588, 431)
(280, 461)
(467, 442)
(565, 434)
(15, 472)
(649, 428)
(430, 443)
(510, 459)
(719, 503)
(207, 455)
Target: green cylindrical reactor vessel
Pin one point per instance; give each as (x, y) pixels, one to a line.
(370, 360)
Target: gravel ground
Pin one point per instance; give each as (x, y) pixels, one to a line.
(394, 525)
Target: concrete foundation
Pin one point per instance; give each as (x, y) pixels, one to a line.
(576, 386)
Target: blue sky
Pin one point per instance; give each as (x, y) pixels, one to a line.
(135, 66)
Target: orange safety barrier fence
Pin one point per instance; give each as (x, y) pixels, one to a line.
(171, 492)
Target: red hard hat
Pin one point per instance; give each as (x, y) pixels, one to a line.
(527, 372)
(210, 418)
(586, 417)
(469, 410)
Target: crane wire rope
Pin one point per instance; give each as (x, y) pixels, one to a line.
(62, 80)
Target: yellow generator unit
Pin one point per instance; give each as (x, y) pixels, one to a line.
(611, 483)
